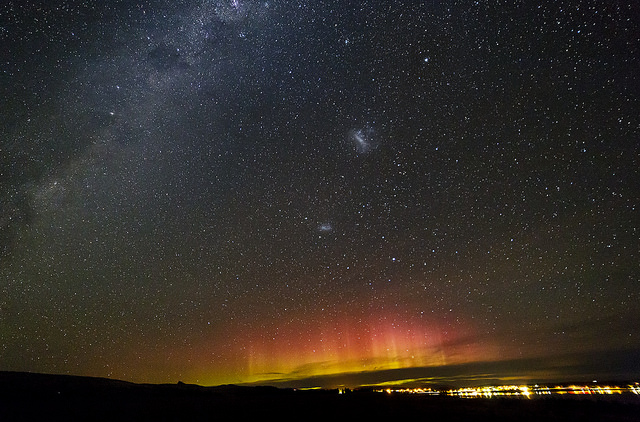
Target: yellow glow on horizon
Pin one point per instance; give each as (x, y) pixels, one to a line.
(342, 345)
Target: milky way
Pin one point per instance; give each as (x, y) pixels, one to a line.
(244, 191)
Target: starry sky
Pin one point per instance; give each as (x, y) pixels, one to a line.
(283, 192)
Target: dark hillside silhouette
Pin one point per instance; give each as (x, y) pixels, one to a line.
(27, 396)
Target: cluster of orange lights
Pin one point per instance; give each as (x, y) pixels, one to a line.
(521, 390)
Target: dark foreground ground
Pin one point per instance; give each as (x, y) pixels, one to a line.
(27, 397)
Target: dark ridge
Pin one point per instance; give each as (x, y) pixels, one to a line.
(29, 396)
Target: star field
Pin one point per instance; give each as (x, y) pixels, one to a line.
(242, 191)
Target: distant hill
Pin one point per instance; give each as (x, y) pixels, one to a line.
(41, 397)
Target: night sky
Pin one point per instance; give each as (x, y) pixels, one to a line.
(280, 191)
